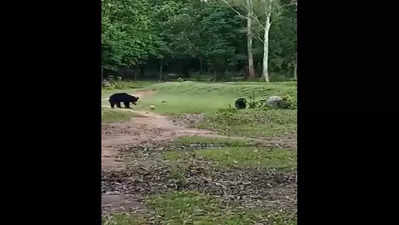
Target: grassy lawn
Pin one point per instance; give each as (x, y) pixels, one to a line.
(177, 98)
(252, 122)
(128, 85)
(178, 208)
(241, 157)
(209, 98)
(200, 97)
(231, 89)
(109, 115)
(187, 140)
(124, 219)
(177, 104)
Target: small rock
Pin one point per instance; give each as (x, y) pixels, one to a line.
(274, 101)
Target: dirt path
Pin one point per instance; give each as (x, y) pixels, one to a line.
(149, 127)
(144, 130)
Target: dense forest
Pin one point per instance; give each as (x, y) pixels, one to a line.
(224, 39)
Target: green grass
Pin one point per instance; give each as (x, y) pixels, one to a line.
(231, 89)
(124, 219)
(116, 115)
(178, 104)
(186, 140)
(176, 208)
(241, 157)
(209, 98)
(201, 97)
(252, 122)
(128, 85)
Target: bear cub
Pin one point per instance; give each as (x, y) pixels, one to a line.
(117, 98)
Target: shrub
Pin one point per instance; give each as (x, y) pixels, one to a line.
(227, 115)
(288, 102)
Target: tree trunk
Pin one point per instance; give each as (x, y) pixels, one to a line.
(135, 73)
(141, 70)
(200, 61)
(160, 69)
(266, 41)
(251, 70)
(102, 73)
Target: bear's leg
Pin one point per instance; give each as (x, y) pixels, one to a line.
(118, 104)
(127, 104)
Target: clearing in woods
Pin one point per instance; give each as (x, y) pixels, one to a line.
(160, 167)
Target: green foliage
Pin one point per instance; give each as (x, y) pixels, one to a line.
(227, 113)
(252, 101)
(283, 40)
(288, 102)
(115, 82)
(128, 36)
(136, 32)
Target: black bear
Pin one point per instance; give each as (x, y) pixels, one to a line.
(117, 98)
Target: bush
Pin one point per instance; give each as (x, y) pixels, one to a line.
(107, 84)
(252, 105)
(241, 103)
(229, 110)
(227, 115)
(288, 102)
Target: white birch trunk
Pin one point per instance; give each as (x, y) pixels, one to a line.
(251, 71)
(268, 9)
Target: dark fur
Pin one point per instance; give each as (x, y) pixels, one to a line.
(117, 98)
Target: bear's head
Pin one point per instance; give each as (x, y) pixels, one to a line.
(134, 99)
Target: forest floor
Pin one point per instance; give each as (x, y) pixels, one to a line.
(160, 169)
